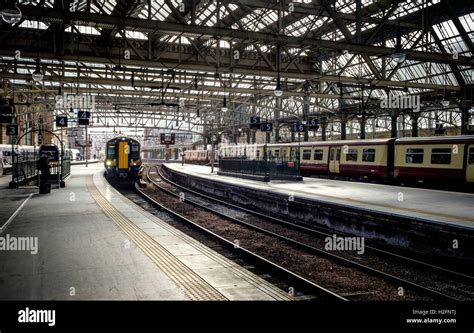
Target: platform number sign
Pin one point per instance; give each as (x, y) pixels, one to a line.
(266, 127)
(298, 128)
(61, 121)
(255, 122)
(313, 124)
(83, 114)
(83, 117)
(12, 130)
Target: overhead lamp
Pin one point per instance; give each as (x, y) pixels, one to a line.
(278, 92)
(224, 107)
(399, 55)
(11, 14)
(37, 74)
(445, 103)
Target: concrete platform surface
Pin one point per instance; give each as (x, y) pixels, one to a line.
(434, 206)
(92, 243)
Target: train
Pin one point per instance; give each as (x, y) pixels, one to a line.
(23, 153)
(200, 156)
(447, 159)
(122, 161)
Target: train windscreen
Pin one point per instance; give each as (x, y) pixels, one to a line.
(111, 151)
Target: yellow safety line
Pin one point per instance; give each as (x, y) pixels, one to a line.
(195, 287)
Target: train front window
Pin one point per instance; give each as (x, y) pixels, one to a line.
(441, 156)
(318, 155)
(414, 156)
(368, 155)
(135, 151)
(351, 155)
(471, 156)
(111, 151)
(306, 154)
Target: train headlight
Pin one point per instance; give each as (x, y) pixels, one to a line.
(108, 162)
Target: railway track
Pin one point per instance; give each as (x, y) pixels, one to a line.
(458, 276)
(260, 224)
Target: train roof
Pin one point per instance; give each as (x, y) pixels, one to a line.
(321, 143)
(428, 139)
(122, 138)
(337, 142)
(436, 139)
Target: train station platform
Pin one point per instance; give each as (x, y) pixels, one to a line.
(429, 205)
(87, 241)
(427, 223)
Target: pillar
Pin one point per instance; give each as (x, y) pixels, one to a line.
(362, 128)
(343, 129)
(414, 125)
(394, 129)
(276, 124)
(305, 117)
(323, 131)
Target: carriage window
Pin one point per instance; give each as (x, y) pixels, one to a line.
(368, 155)
(441, 156)
(351, 155)
(414, 155)
(471, 156)
(307, 154)
(277, 153)
(318, 155)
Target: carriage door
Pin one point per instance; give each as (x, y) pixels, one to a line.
(334, 159)
(470, 164)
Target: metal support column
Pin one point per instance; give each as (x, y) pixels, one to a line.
(414, 125)
(343, 128)
(324, 125)
(394, 127)
(362, 127)
(305, 116)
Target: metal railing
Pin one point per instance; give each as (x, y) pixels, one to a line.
(66, 168)
(24, 172)
(272, 168)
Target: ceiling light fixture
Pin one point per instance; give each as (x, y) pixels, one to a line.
(224, 107)
(37, 74)
(399, 55)
(10, 13)
(278, 92)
